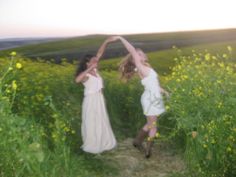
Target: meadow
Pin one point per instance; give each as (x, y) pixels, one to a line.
(41, 113)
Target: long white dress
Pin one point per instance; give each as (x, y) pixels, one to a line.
(151, 99)
(97, 134)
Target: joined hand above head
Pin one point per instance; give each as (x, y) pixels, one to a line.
(113, 38)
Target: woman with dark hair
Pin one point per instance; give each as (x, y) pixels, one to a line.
(151, 99)
(97, 134)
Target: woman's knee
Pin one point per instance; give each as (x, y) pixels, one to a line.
(152, 126)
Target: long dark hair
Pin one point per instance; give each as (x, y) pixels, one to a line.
(82, 66)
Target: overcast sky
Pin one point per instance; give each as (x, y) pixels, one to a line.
(37, 18)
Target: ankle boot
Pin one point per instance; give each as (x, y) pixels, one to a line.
(139, 139)
(148, 150)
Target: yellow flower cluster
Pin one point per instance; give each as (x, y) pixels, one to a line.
(18, 65)
(14, 85)
(203, 89)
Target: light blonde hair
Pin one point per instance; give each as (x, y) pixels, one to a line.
(127, 67)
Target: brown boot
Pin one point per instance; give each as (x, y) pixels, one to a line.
(148, 150)
(139, 139)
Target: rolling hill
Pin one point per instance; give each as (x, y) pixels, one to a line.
(10, 43)
(76, 47)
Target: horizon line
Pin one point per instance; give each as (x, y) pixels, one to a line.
(110, 34)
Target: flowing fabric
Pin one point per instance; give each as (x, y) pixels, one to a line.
(151, 99)
(97, 134)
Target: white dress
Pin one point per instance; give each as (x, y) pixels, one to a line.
(151, 99)
(97, 134)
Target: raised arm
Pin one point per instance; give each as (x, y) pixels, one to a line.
(132, 51)
(101, 50)
(82, 76)
(103, 47)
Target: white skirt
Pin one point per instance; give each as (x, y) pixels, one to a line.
(97, 134)
(152, 103)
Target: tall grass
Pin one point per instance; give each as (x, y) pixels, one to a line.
(41, 114)
(203, 105)
(35, 135)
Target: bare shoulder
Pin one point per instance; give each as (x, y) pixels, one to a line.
(144, 70)
(85, 79)
(80, 79)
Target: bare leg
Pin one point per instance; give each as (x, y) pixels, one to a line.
(152, 120)
(145, 127)
(152, 127)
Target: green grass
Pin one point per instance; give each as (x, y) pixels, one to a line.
(203, 105)
(40, 123)
(74, 48)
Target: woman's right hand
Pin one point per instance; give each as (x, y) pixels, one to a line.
(93, 65)
(167, 94)
(113, 38)
(103, 46)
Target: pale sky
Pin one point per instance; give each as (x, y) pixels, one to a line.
(39, 18)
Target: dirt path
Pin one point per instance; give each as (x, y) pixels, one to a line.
(131, 163)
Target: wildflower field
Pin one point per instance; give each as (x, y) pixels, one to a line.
(40, 114)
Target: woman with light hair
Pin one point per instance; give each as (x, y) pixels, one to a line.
(151, 99)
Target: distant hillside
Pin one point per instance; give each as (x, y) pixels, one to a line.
(75, 48)
(10, 43)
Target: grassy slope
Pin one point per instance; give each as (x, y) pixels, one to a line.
(75, 47)
(163, 60)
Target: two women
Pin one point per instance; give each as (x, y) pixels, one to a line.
(151, 99)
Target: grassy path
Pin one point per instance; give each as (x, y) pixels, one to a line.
(165, 162)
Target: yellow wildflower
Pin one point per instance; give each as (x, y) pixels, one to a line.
(194, 134)
(10, 69)
(14, 85)
(229, 149)
(214, 57)
(221, 65)
(167, 107)
(224, 55)
(213, 141)
(13, 54)
(219, 104)
(8, 91)
(18, 65)
(207, 57)
(229, 48)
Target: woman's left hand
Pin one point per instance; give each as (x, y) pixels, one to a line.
(167, 94)
(113, 38)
